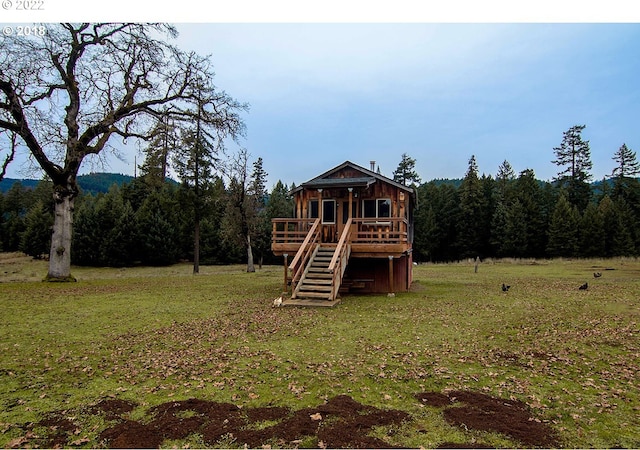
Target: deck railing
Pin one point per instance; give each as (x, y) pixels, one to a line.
(384, 230)
(340, 259)
(290, 231)
(305, 253)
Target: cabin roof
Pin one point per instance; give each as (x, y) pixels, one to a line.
(368, 178)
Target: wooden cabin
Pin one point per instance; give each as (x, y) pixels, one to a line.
(352, 231)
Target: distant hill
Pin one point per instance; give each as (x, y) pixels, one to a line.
(92, 183)
(95, 183)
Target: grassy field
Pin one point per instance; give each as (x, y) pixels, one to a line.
(152, 335)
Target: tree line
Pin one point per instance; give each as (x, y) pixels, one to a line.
(509, 215)
(152, 221)
(141, 222)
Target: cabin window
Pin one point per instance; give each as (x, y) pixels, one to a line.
(384, 207)
(313, 209)
(368, 208)
(376, 208)
(328, 211)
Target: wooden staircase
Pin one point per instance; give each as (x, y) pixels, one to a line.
(317, 281)
(318, 268)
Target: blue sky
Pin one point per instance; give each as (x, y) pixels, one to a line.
(323, 93)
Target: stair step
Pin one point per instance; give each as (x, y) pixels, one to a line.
(317, 281)
(312, 295)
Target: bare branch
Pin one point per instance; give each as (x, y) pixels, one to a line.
(10, 156)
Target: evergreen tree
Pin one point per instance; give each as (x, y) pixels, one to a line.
(261, 225)
(504, 180)
(527, 191)
(607, 211)
(214, 248)
(628, 166)
(516, 242)
(472, 213)
(623, 242)
(87, 234)
(158, 153)
(157, 228)
(16, 204)
(626, 185)
(564, 229)
(36, 237)
(194, 162)
(499, 229)
(592, 237)
(121, 243)
(280, 203)
(405, 173)
(575, 155)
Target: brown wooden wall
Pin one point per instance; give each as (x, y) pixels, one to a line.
(399, 199)
(371, 275)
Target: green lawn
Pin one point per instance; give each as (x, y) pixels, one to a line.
(151, 335)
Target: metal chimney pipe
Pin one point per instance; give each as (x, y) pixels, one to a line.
(373, 165)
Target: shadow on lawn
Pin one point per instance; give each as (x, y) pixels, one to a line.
(341, 422)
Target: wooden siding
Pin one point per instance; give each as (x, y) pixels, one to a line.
(374, 240)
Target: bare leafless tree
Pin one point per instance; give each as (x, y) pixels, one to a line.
(68, 91)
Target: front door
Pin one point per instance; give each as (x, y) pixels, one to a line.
(329, 221)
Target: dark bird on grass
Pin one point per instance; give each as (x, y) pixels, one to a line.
(505, 288)
(597, 274)
(584, 287)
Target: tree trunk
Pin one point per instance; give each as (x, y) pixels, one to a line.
(196, 247)
(250, 266)
(60, 254)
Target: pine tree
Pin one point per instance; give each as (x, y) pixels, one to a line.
(405, 173)
(261, 226)
(36, 238)
(504, 179)
(155, 168)
(195, 162)
(575, 154)
(527, 191)
(121, 244)
(498, 229)
(472, 213)
(515, 242)
(628, 166)
(626, 184)
(592, 236)
(157, 228)
(607, 211)
(280, 203)
(563, 229)
(623, 242)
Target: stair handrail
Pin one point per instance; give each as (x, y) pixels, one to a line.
(341, 257)
(304, 252)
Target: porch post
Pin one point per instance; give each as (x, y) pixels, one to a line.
(286, 273)
(350, 203)
(391, 285)
(320, 214)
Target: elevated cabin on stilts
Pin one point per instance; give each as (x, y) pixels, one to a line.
(352, 231)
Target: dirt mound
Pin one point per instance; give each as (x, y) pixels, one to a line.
(341, 422)
(485, 413)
